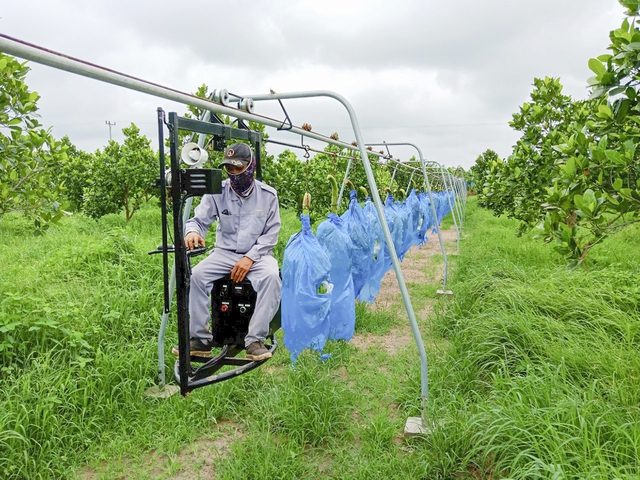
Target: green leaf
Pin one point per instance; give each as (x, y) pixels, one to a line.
(610, 199)
(630, 93)
(617, 185)
(597, 67)
(578, 201)
(591, 81)
(614, 156)
(621, 108)
(605, 111)
(570, 168)
(632, 8)
(590, 199)
(603, 142)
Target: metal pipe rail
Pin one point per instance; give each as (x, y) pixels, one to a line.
(37, 54)
(452, 206)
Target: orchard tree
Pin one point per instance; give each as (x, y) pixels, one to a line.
(75, 173)
(596, 189)
(288, 177)
(576, 169)
(122, 176)
(544, 123)
(28, 154)
(487, 178)
(518, 185)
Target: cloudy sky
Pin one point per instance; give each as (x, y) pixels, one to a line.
(446, 75)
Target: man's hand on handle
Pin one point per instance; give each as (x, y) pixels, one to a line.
(193, 240)
(240, 269)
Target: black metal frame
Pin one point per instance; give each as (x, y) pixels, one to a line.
(232, 305)
(183, 184)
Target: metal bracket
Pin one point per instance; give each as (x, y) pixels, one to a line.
(287, 120)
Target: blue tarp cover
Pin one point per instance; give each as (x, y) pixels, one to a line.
(335, 240)
(305, 308)
(356, 225)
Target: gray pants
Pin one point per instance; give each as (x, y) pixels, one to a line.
(265, 278)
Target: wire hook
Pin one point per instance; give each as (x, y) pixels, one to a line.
(306, 147)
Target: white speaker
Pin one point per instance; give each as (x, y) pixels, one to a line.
(193, 155)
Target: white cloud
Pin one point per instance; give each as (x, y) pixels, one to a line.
(444, 75)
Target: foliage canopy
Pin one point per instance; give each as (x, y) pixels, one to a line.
(575, 171)
(28, 154)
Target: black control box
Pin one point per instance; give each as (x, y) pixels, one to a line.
(232, 305)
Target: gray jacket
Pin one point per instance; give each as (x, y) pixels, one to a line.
(247, 226)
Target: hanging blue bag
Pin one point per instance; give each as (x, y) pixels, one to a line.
(377, 262)
(438, 202)
(413, 203)
(362, 258)
(306, 292)
(395, 227)
(337, 245)
(407, 232)
(443, 206)
(426, 217)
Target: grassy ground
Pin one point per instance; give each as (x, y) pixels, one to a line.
(533, 369)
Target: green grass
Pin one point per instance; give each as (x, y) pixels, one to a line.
(533, 369)
(546, 358)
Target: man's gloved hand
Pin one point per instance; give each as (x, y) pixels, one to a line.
(240, 269)
(193, 240)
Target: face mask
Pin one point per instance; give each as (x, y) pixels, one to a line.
(242, 183)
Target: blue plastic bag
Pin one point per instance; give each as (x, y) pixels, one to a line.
(413, 204)
(377, 270)
(356, 226)
(442, 205)
(407, 232)
(394, 221)
(306, 292)
(426, 217)
(336, 242)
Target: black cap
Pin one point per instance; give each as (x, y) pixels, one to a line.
(237, 155)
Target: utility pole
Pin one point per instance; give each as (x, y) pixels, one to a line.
(110, 125)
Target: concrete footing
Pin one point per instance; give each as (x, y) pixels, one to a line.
(415, 426)
(162, 392)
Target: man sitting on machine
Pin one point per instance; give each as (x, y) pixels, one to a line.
(248, 218)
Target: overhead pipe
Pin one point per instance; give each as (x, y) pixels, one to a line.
(37, 54)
